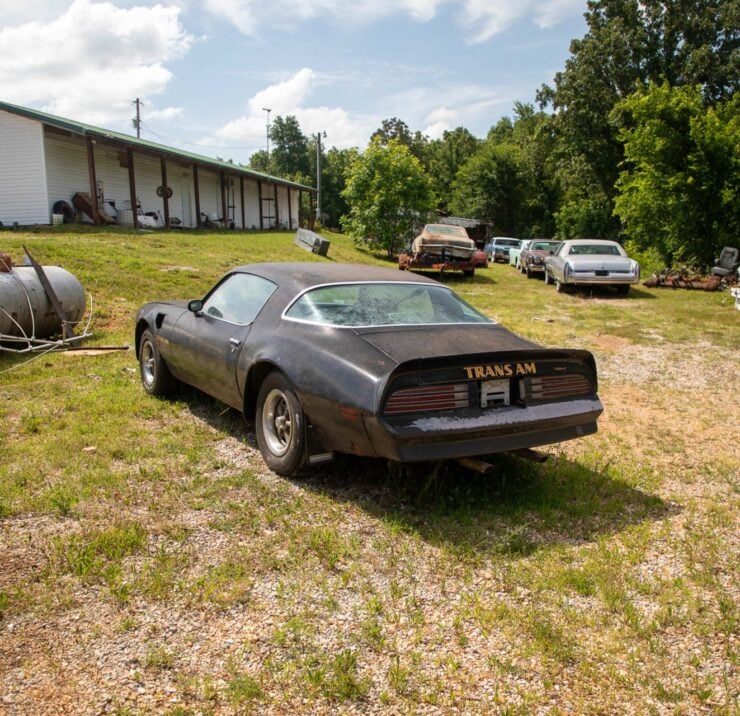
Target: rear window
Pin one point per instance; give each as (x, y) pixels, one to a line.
(382, 304)
(594, 250)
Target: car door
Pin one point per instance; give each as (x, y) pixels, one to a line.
(206, 344)
(555, 263)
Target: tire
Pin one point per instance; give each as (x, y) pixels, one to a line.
(469, 272)
(548, 280)
(560, 287)
(529, 273)
(623, 289)
(155, 375)
(279, 423)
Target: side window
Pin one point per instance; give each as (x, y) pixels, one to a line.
(239, 298)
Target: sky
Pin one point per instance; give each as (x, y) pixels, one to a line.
(205, 71)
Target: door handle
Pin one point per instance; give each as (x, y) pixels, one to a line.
(235, 342)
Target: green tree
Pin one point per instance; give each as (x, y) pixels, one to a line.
(387, 192)
(445, 156)
(396, 129)
(490, 186)
(258, 161)
(335, 167)
(628, 44)
(680, 180)
(289, 155)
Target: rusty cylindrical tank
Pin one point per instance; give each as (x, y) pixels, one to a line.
(23, 297)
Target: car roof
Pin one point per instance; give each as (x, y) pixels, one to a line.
(607, 242)
(297, 276)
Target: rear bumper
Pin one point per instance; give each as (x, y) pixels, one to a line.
(613, 280)
(482, 433)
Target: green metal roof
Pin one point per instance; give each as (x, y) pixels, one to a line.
(97, 132)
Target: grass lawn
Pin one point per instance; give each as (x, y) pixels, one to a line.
(151, 563)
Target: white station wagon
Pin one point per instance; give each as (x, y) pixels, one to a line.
(591, 262)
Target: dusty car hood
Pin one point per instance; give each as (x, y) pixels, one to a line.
(419, 342)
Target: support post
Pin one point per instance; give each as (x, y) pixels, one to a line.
(224, 210)
(165, 198)
(132, 186)
(259, 199)
(93, 181)
(241, 200)
(290, 212)
(196, 190)
(277, 213)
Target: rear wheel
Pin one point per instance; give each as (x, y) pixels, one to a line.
(155, 375)
(623, 289)
(280, 425)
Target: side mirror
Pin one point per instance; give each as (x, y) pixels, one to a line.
(196, 306)
(552, 253)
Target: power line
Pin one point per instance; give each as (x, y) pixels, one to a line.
(196, 144)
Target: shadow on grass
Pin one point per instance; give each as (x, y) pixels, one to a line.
(514, 510)
(608, 292)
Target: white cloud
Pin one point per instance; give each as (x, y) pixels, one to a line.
(92, 60)
(292, 97)
(485, 18)
(248, 15)
(464, 105)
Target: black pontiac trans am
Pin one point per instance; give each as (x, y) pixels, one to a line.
(356, 359)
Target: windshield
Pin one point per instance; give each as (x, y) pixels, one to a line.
(382, 304)
(446, 230)
(544, 245)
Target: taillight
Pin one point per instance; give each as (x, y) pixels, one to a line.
(429, 397)
(550, 387)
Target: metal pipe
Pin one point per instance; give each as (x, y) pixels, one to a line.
(473, 463)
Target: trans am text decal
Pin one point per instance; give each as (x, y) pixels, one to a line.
(501, 370)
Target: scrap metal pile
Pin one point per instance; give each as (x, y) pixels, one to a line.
(40, 307)
(683, 278)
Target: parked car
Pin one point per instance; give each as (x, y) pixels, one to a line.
(480, 259)
(358, 359)
(591, 262)
(515, 253)
(532, 259)
(498, 248)
(440, 247)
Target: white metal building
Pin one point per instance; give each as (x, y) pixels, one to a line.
(44, 159)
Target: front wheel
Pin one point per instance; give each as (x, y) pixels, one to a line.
(280, 425)
(529, 273)
(560, 287)
(548, 279)
(155, 375)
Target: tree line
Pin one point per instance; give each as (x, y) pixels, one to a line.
(637, 139)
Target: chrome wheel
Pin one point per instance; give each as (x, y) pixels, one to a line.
(147, 364)
(277, 422)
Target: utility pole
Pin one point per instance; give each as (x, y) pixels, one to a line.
(137, 121)
(318, 174)
(268, 110)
